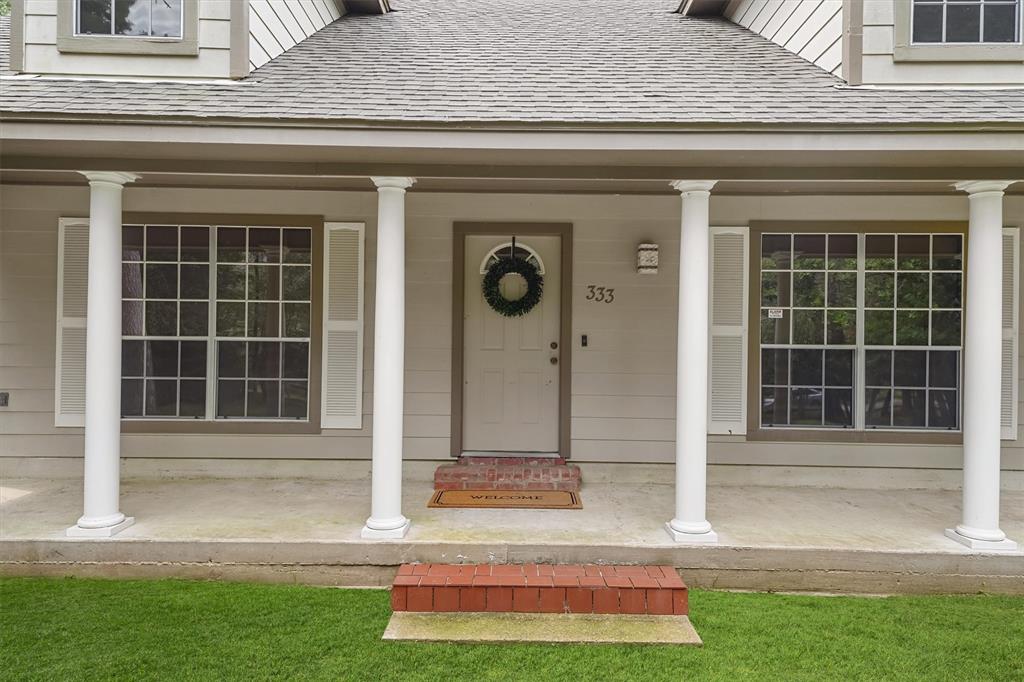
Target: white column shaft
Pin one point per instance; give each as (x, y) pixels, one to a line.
(690, 522)
(386, 519)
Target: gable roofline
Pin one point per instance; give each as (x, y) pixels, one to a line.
(706, 8)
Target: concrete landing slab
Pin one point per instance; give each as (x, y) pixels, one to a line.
(563, 628)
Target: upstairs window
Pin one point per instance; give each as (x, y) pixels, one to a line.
(966, 22)
(139, 18)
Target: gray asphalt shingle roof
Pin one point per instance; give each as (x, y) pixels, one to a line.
(527, 62)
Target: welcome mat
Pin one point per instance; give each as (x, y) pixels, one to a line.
(506, 499)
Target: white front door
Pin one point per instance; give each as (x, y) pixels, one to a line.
(510, 393)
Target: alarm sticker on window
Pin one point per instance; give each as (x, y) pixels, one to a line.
(775, 313)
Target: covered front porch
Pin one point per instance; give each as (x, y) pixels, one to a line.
(214, 523)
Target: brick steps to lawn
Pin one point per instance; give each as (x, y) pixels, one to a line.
(539, 588)
(508, 473)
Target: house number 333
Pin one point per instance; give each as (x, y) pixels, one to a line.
(600, 294)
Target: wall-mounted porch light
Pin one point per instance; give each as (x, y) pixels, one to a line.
(647, 259)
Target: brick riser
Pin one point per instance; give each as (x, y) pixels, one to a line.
(508, 473)
(532, 588)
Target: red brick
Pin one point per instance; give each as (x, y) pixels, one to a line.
(407, 580)
(511, 580)
(630, 601)
(592, 570)
(483, 569)
(499, 599)
(588, 581)
(659, 602)
(525, 599)
(606, 601)
(630, 571)
(473, 599)
(446, 599)
(433, 580)
(460, 580)
(399, 597)
(485, 580)
(671, 583)
(443, 569)
(506, 570)
(405, 569)
(420, 599)
(545, 569)
(467, 569)
(618, 582)
(539, 581)
(552, 600)
(608, 571)
(420, 569)
(644, 582)
(579, 600)
(565, 581)
(680, 603)
(529, 570)
(569, 570)
(654, 572)
(669, 572)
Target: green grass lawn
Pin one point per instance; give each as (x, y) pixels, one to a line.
(69, 629)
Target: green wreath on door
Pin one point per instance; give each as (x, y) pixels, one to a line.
(513, 266)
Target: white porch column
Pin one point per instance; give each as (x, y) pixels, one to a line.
(102, 516)
(690, 524)
(979, 528)
(386, 519)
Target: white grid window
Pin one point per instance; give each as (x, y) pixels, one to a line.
(861, 330)
(227, 342)
(147, 18)
(966, 21)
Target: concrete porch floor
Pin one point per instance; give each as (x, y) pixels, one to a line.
(307, 530)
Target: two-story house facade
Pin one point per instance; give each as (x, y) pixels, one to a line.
(773, 234)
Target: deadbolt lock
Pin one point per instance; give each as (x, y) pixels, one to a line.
(554, 345)
(554, 361)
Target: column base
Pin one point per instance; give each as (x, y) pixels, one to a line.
(385, 534)
(1005, 545)
(104, 532)
(707, 538)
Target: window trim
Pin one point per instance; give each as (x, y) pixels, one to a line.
(828, 435)
(905, 50)
(241, 425)
(187, 45)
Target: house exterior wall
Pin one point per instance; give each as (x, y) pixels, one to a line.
(278, 25)
(881, 65)
(812, 29)
(623, 383)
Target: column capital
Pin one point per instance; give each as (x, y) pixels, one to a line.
(973, 187)
(393, 182)
(690, 186)
(110, 177)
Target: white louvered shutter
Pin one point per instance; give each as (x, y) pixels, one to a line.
(72, 299)
(342, 382)
(727, 379)
(1011, 324)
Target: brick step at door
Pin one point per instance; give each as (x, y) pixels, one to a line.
(539, 588)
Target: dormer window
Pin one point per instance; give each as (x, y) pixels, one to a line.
(150, 18)
(965, 22)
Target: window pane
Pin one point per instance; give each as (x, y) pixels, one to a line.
(296, 360)
(162, 358)
(775, 330)
(912, 290)
(774, 367)
(264, 359)
(943, 369)
(879, 251)
(192, 399)
(947, 252)
(195, 244)
(161, 318)
(262, 398)
(230, 359)
(1000, 24)
(809, 252)
(912, 252)
(231, 244)
(195, 281)
(775, 288)
(230, 319)
(132, 359)
(231, 398)
(908, 407)
(842, 327)
(805, 406)
(927, 24)
(838, 368)
(166, 21)
(296, 284)
(946, 328)
(264, 319)
(909, 368)
(131, 397)
(231, 282)
(912, 327)
(294, 401)
(842, 289)
(161, 397)
(807, 367)
(946, 290)
(297, 246)
(264, 245)
(839, 407)
(963, 23)
(878, 289)
(809, 289)
(131, 318)
(194, 319)
(809, 326)
(774, 406)
(943, 409)
(131, 280)
(264, 282)
(162, 243)
(842, 252)
(878, 327)
(878, 407)
(878, 368)
(132, 17)
(775, 252)
(94, 17)
(131, 242)
(296, 320)
(161, 280)
(193, 358)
